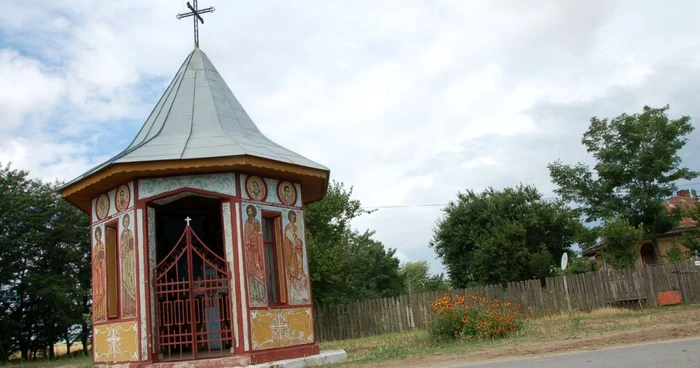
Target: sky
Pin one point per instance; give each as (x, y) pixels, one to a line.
(407, 101)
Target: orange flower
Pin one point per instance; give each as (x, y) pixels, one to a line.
(465, 319)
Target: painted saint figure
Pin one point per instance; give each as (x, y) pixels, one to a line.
(256, 188)
(99, 306)
(102, 206)
(255, 261)
(128, 268)
(288, 195)
(123, 198)
(294, 249)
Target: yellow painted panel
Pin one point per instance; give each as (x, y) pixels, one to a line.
(117, 342)
(276, 328)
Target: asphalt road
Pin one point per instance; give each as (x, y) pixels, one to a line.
(667, 354)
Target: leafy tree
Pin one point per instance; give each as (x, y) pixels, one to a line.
(541, 264)
(44, 266)
(418, 279)
(492, 237)
(637, 166)
(619, 239)
(346, 265)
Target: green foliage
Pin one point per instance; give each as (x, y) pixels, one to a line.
(470, 318)
(619, 240)
(44, 266)
(346, 265)
(491, 237)
(637, 165)
(579, 265)
(675, 254)
(541, 264)
(418, 279)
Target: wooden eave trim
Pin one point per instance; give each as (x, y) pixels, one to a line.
(149, 167)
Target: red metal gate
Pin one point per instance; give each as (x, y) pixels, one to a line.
(192, 291)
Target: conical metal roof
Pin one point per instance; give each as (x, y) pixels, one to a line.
(199, 117)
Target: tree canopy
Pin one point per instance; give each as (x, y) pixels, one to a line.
(418, 279)
(346, 265)
(498, 236)
(44, 267)
(637, 167)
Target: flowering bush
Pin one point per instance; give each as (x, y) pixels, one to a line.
(470, 317)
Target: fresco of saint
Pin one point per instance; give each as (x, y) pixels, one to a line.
(256, 188)
(99, 305)
(123, 198)
(288, 195)
(255, 261)
(127, 252)
(297, 277)
(102, 206)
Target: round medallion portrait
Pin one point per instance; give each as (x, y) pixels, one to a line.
(123, 198)
(256, 188)
(287, 193)
(102, 206)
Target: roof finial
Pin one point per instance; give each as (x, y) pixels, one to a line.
(195, 14)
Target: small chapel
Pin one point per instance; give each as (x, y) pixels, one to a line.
(198, 236)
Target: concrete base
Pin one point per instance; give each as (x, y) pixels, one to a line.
(325, 357)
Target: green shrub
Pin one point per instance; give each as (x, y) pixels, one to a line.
(675, 253)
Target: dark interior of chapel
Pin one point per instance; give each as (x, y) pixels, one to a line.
(192, 280)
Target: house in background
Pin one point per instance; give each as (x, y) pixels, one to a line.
(646, 253)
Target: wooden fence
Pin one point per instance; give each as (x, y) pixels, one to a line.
(587, 292)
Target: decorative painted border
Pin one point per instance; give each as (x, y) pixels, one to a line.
(218, 183)
(152, 266)
(173, 198)
(228, 241)
(142, 283)
(241, 279)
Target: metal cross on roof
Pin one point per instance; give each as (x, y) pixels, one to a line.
(195, 14)
(187, 220)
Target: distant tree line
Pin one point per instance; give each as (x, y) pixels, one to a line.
(44, 268)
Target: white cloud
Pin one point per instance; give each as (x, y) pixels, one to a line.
(29, 91)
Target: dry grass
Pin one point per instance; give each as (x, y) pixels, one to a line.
(557, 328)
(59, 350)
(608, 319)
(80, 362)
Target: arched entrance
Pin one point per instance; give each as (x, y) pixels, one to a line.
(646, 252)
(191, 280)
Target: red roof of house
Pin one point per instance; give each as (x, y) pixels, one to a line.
(682, 199)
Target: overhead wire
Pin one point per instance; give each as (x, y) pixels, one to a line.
(445, 204)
